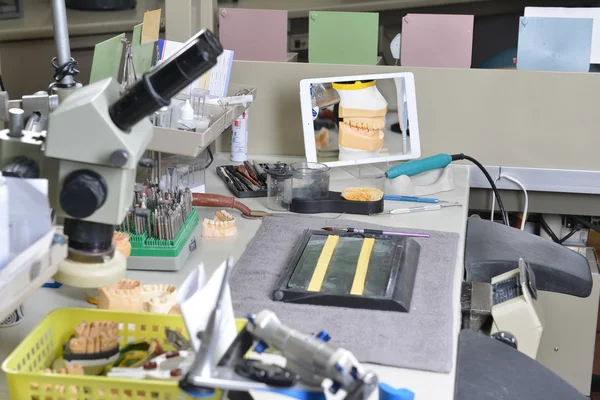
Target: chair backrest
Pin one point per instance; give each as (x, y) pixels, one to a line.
(489, 369)
(493, 249)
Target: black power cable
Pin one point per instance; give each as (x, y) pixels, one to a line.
(553, 236)
(576, 229)
(210, 155)
(461, 156)
(586, 223)
(1, 84)
(548, 230)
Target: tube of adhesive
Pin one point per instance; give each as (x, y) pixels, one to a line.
(239, 138)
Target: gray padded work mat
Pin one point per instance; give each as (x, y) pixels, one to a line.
(420, 339)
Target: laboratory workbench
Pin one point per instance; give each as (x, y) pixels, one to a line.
(212, 252)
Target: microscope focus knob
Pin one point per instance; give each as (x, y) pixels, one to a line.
(83, 192)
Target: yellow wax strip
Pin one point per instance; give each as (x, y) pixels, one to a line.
(316, 282)
(360, 276)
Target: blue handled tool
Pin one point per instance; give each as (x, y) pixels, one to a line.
(411, 199)
(416, 167)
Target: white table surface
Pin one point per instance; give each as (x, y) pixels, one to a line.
(212, 252)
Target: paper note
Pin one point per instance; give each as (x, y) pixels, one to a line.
(197, 297)
(432, 40)
(167, 48)
(561, 12)
(142, 53)
(151, 24)
(216, 81)
(555, 44)
(343, 37)
(107, 59)
(254, 35)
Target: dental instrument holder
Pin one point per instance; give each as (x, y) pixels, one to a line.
(174, 141)
(246, 194)
(311, 361)
(424, 184)
(278, 183)
(421, 177)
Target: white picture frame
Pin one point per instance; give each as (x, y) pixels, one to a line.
(410, 111)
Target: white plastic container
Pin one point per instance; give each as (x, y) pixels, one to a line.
(198, 99)
(239, 138)
(186, 121)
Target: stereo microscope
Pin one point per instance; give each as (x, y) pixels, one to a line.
(95, 140)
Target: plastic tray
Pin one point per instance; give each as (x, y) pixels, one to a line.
(193, 143)
(247, 194)
(44, 344)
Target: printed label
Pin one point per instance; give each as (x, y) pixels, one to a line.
(192, 245)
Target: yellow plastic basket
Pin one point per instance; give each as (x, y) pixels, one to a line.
(44, 344)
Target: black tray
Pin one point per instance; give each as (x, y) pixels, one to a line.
(335, 203)
(401, 260)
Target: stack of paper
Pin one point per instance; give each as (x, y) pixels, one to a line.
(216, 80)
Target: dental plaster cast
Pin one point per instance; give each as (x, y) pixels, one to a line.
(95, 337)
(122, 243)
(74, 369)
(130, 295)
(362, 111)
(222, 225)
(123, 246)
(159, 299)
(125, 295)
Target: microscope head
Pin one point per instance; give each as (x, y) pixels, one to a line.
(95, 140)
(96, 159)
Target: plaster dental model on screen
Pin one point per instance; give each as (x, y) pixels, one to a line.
(362, 111)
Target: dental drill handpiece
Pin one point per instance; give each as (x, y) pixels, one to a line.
(312, 357)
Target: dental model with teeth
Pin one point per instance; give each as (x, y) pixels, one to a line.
(159, 299)
(222, 225)
(124, 295)
(95, 337)
(130, 295)
(362, 112)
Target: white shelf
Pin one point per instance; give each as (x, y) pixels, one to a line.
(168, 140)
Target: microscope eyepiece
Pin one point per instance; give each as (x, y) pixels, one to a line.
(157, 87)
